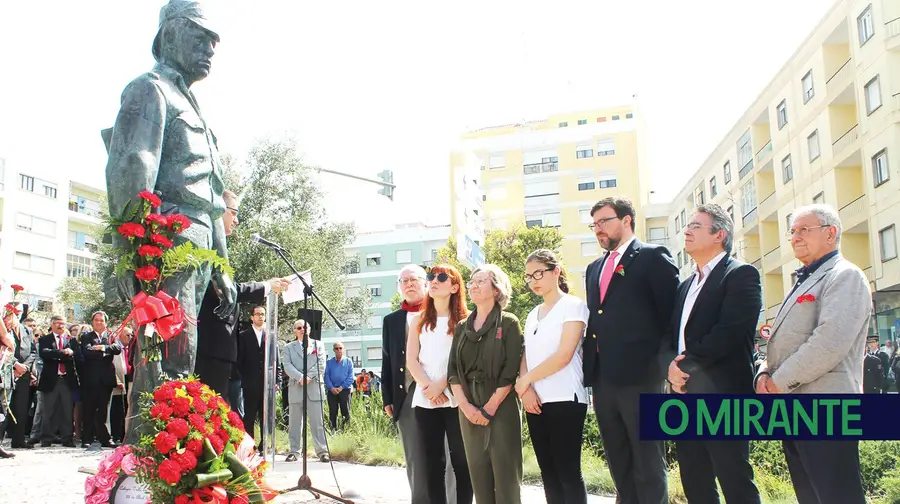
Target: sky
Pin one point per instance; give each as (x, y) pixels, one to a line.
(368, 86)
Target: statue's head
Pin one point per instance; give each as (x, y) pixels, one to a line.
(185, 40)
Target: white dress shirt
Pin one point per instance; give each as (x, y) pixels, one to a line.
(697, 282)
(259, 335)
(621, 251)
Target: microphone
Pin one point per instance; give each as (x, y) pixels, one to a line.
(255, 238)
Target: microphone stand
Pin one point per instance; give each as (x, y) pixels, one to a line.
(305, 482)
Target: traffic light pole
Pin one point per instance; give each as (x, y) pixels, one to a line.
(357, 177)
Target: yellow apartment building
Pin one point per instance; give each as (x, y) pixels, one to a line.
(824, 130)
(549, 173)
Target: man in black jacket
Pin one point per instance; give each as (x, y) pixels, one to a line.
(58, 380)
(397, 386)
(630, 292)
(25, 352)
(217, 339)
(98, 348)
(709, 350)
(251, 366)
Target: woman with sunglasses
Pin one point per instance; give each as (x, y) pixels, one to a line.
(428, 354)
(551, 379)
(484, 363)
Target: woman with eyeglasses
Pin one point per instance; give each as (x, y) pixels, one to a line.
(484, 362)
(551, 379)
(313, 382)
(428, 354)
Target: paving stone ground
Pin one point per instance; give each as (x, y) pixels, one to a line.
(27, 476)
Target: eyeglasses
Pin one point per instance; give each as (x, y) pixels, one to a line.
(537, 275)
(476, 283)
(441, 277)
(693, 226)
(804, 231)
(235, 210)
(300, 328)
(406, 281)
(258, 314)
(601, 222)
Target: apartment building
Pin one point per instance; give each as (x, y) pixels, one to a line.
(46, 233)
(379, 256)
(549, 172)
(825, 130)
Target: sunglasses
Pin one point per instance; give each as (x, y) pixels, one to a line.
(441, 277)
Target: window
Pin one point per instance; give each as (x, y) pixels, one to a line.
(657, 235)
(586, 184)
(629, 116)
(607, 182)
(788, 220)
(373, 259)
(496, 161)
(781, 111)
(582, 122)
(540, 162)
(680, 259)
(615, 118)
(434, 253)
(374, 352)
(873, 95)
(787, 171)
(606, 147)
(374, 290)
(812, 145)
(880, 172)
(35, 263)
(888, 239)
(34, 224)
(701, 198)
(808, 90)
(726, 171)
(683, 218)
(50, 190)
(404, 256)
(745, 154)
(818, 199)
(584, 215)
(677, 223)
(547, 219)
(731, 213)
(77, 266)
(541, 188)
(26, 182)
(563, 124)
(601, 119)
(589, 248)
(584, 151)
(748, 197)
(865, 25)
(712, 188)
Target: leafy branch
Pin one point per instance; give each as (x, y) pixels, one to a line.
(186, 256)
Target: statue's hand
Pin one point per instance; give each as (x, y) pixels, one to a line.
(228, 303)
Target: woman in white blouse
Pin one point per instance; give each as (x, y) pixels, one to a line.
(550, 380)
(428, 354)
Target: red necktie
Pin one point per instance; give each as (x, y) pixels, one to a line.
(607, 273)
(62, 367)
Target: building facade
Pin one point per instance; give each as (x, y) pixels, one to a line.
(46, 234)
(380, 255)
(825, 130)
(549, 173)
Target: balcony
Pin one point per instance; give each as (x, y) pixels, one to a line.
(768, 205)
(892, 34)
(93, 248)
(758, 265)
(845, 141)
(838, 80)
(750, 217)
(747, 168)
(531, 169)
(855, 212)
(870, 273)
(766, 150)
(772, 258)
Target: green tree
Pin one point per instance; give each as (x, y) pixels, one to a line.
(85, 291)
(509, 250)
(280, 201)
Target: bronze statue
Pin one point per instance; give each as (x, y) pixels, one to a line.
(161, 143)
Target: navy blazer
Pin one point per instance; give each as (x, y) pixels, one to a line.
(52, 358)
(625, 331)
(393, 361)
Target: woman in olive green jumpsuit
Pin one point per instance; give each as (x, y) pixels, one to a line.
(484, 364)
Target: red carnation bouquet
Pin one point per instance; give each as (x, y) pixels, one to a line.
(11, 308)
(152, 256)
(196, 449)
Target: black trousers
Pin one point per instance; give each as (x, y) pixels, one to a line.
(18, 406)
(434, 425)
(557, 434)
(825, 472)
(334, 401)
(253, 400)
(117, 408)
(95, 408)
(638, 468)
(215, 373)
(702, 462)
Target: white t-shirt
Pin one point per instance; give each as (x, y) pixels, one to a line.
(434, 356)
(542, 339)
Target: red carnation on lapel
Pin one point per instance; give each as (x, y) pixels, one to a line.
(806, 298)
(499, 332)
(620, 269)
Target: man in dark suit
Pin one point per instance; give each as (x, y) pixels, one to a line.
(217, 341)
(709, 350)
(630, 293)
(98, 348)
(58, 380)
(251, 366)
(24, 352)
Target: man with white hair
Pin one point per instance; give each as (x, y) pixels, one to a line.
(397, 386)
(817, 347)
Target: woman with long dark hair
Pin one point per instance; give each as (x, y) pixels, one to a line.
(428, 355)
(550, 380)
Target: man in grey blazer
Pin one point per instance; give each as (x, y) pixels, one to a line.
(817, 347)
(313, 382)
